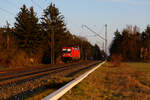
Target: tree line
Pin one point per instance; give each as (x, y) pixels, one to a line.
(131, 44)
(29, 40)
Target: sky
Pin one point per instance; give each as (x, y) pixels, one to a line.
(93, 13)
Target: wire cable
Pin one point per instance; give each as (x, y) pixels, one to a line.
(93, 32)
(10, 3)
(36, 4)
(4, 10)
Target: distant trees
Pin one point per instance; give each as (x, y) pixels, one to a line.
(97, 53)
(7, 46)
(131, 44)
(145, 45)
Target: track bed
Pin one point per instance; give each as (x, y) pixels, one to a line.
(18, 81)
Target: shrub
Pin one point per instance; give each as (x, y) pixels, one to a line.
(116, 59)
(13, 58)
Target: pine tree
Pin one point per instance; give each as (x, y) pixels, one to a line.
(97, 53)
(115, 47)
(28, 31)
(53, 22)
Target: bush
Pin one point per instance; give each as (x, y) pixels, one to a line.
(116, 59)
(20, 59)
(14, 58)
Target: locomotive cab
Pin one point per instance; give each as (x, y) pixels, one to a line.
(70, 53)
(66, 54)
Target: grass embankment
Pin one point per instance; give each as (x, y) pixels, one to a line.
(129, 81)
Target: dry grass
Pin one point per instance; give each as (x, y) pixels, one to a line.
(127, 82)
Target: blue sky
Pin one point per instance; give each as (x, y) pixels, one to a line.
(93, 13)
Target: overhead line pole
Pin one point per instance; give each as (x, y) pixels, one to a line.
(52, 47)
(52, 42)
(106, 38)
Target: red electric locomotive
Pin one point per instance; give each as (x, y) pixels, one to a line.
(70, 53)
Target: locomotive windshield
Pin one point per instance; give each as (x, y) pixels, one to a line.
(66, 50)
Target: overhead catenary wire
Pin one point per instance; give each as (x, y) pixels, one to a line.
(93, 31)
(10, 3)
(36, 4)
(89, 36)
(101, 29)
(2, 20)
(6, 11)
(103, 38)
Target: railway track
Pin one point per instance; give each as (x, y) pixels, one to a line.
(18, 83)
(30, 73)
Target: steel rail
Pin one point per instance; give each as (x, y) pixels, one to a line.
(34, 74)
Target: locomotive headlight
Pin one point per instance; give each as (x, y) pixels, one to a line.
(69, 49)
(63, 49)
